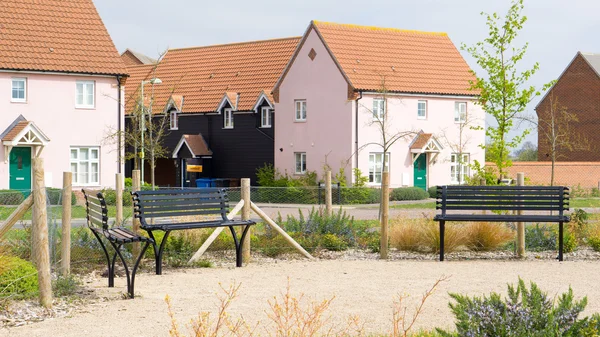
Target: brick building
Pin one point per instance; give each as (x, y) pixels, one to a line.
(578, 90)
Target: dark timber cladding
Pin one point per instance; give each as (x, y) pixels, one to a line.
(202, 85)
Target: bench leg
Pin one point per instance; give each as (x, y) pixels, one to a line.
(135, 267)
(442, 229)
(158, 254)
(111, 273)
(560, 241)
(238, 256)
(238, 247)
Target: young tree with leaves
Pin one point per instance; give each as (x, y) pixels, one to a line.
(503, 90)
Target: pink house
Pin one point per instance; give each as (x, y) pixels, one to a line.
(60, 93)
(345, 84)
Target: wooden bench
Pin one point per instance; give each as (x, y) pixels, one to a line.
(97, 220)
(177, 209)
(541, 204)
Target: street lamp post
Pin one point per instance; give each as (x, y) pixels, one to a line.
(152, 81)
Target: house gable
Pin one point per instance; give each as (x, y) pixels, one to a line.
(578, 90)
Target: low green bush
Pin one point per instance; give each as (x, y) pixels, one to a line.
(110, 196)
(18, 278)
(539, 238)
(333, 243)
(594, 242)
(408, 193)
(12, 197)
(526, 312)
(360, 195)
(64, 286)
(432, 192)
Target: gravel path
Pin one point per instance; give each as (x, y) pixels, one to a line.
(361, 287)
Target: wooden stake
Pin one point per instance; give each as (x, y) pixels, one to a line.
(273, 225)
(40, 231)
(65, 265)
(16, 215)
(520, 225)
(119, 201)
(328, 202)
(385, 212)
(215, 233)
(136, 186)
(246, 216)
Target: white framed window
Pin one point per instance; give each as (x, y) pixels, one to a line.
(85, 97)
(376, 166)
(300, 110)
(459, 169)
(265, 117)
(85, 165)
(173, 120)
(378, 108)
(228, 119)
(460, 112)
(300, 162)
(422, 110)
(19, 90)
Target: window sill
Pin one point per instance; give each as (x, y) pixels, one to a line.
(228, 128)
(424, 118)
(299, 120)
(173, 129)
(84, 107)
(18, 101)
(265, 127)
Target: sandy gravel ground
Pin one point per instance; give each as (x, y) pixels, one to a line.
(364, 288)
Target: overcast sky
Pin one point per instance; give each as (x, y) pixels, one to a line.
(555, 30)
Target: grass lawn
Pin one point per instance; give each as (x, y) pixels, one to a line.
(77, 212)
(418, 205)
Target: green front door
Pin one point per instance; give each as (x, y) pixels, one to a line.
(421, 171)
(20, 168)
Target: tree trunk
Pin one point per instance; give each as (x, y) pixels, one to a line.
(385, 209)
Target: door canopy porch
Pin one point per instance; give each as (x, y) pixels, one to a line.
(425, 143)
(195, 144)
(23, 133)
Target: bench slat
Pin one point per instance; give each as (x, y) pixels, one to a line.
(499, 202)
(502, 218)
(503, 208)
(190, 202)
(175, 214)
(503, 193)
(207, 190)
(501, 197)
(196, 225)
(503, 187)
(181, 197)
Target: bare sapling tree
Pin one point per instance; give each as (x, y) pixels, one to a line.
(558, 134)
(458, 139)
(389, 134)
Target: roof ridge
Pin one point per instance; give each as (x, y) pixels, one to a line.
(237, 43)
(396, 30)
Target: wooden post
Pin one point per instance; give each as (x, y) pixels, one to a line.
(119, 201)
(40, 232)
(65, 265)
(520, 225)
(385, 210)
(136, 186)
(328, 199)
(246, 216)
(16, 215)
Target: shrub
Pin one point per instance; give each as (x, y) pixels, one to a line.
(406, 236)
(18, 278)
(408, 193)
(569, 242)
(525, 312)
(539, 238)
(55, 196)
(594, 242)
(432, 192)
(110, 196)
(486, 236)
(65, 285)
(423, 235)
(319, 223)
(333, 243)
(129, 184)
(360, 195)
(272, 245)
(12, 197)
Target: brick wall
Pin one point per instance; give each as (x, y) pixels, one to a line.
(578, 89)
(572, 174)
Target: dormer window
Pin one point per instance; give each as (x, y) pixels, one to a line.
(265, 117)
(228, 119)
(173, 120)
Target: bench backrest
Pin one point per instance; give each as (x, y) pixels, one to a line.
(180, 202)
(97, 212)
(503, 198)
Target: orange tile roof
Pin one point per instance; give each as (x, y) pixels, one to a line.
(204, 75)
(56, 35)
(10, 136)
(421, 141)
(408, 61)
(197, 145)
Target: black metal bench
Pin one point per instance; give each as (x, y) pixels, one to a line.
(542, 204)
(169, 210)
(97, 220)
